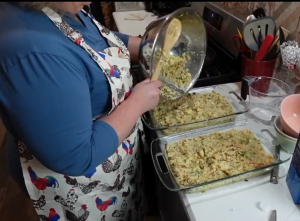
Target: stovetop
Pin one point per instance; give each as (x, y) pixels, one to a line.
(224, 68)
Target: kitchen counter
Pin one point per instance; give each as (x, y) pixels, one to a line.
(133, 27)
(239, 201)
(234, 202)
(243, 205)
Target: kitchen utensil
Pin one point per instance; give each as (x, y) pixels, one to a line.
(244, 89)
(239, 44)
(192, 41)
(264, 48)
(238, 105)
(281, 39)
(172, 35)
(287, 142)
(290, 115)
(251, 32)
(273, 216)
(281, 35)
(259, 40)
(239, 33)
(275, 171)
(266, 95)
(274, 49)
(250, 18)
(259, 12)
(165, 174)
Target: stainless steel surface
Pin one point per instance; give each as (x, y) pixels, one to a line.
(168, 180)
(192, 41)
(273, 216)
(229, 25)
(250, 18)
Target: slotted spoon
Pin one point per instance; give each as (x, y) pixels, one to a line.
(172, 34)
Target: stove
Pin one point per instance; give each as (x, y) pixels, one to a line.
(224, 68)
(220, 27)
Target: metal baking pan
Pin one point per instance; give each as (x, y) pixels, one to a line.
(238, 105)
(165, 174)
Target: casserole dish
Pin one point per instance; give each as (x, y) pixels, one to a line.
(166, 175)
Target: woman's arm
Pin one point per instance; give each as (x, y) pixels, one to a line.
(50, 107)
(133, 45)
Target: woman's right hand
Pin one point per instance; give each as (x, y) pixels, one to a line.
(145, 95)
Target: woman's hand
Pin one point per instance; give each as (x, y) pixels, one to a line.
(145, 95)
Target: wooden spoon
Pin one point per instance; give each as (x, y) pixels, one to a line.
(172, 35)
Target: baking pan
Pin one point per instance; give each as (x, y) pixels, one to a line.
(165, 173)
(238, 105)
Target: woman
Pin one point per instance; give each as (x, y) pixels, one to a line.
(67, 101)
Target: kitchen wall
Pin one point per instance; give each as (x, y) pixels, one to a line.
(285, 14)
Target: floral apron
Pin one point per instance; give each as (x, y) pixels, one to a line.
(111, 191)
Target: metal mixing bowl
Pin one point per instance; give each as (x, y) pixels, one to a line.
(191, 41)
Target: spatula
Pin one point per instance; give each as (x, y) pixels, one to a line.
(172, 34)
(251, 32)
(264, 48)
(259, 12)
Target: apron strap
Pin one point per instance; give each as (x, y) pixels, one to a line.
(76, 37)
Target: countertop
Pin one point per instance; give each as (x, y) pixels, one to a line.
(133, 27)
(239, 201)
(233, 202)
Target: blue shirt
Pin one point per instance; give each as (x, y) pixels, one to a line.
(50, 89)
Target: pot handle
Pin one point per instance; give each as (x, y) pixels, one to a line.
(246, 81)
(244, 89)
(162, 169)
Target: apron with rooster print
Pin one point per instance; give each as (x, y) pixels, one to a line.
(111, 191)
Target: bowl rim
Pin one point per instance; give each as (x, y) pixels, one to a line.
(252, 79)
(284, 137)
(281, 113)
(281, 132)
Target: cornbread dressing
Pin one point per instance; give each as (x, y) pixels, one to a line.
(215, 156)
(191, 108)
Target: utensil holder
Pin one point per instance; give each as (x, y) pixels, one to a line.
(257, 68)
